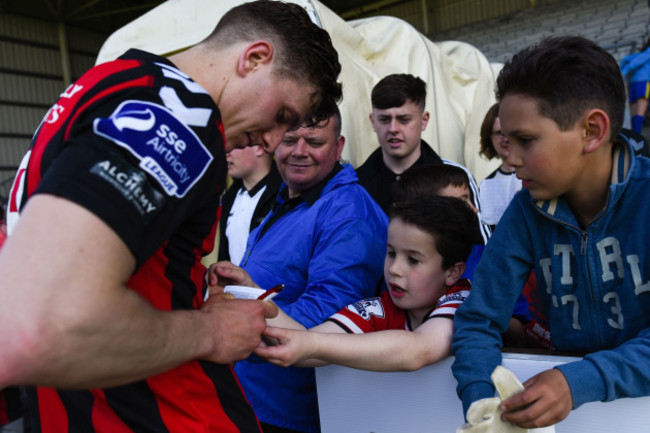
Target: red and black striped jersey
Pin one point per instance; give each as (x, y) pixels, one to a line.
(141, 145)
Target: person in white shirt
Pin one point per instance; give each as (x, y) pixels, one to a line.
(250, 197)
(497, 190)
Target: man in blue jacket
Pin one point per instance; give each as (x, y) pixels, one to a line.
(325, 240)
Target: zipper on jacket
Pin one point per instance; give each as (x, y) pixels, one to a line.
(583, 243)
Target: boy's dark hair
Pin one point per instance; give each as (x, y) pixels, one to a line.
(304, 50)
(487, 148)
(395, 89)
(427, 180)
(567, 76)
(446, 219)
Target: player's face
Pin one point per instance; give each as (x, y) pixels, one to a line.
(461, 192)
(413, 269)
(307, 155)
(243, 162)
(262, 107)
(547, 160)
(399, 129)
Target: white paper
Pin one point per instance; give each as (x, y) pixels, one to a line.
(244, 292)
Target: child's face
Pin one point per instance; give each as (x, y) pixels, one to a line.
(413, 269)
(499, 141)
(461, 192)
(547, 160)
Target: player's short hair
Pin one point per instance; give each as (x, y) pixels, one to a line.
(567, 75)
(304, 51)
(487, 147)
(395, 89)
(427, 180)
(449, 220)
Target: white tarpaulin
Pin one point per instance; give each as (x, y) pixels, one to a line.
(460, 79)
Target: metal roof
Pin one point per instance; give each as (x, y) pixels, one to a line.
(106, 16)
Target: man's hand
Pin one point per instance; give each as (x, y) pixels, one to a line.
(236, 326)
(545, 401)
(224, 273)
(290, 346)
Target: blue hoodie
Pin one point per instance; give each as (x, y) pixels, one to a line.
(636, 67)
(594, 283)
(329, 254)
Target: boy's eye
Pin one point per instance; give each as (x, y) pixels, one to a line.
(413, 261)
(523, 141)
(390, 254)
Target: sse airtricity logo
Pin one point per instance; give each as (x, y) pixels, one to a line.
(167, 149)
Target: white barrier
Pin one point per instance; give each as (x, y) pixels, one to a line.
(425, 401)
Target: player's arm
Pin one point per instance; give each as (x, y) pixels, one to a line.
(71, 322)
(388, 350)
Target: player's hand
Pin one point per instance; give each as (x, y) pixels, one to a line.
(290, 346)
(545, 401)
(235, 326)
(224, 273)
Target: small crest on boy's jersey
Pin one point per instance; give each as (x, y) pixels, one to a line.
(368, 308)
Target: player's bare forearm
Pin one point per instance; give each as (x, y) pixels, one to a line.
(74, 322)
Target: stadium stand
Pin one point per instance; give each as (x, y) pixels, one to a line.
(621, 27)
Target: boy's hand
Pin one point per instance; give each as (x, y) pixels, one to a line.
(545, 401)
(291, 346)
(224, 273)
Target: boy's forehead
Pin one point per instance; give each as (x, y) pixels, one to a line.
(458, 191)
(407, 107)
(516, 109)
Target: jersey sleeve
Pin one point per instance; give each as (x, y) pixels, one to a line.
(367, 315)
(140, 166)
(451, 300)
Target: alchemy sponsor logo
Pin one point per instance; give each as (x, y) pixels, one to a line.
(132, 183)
(167, 148)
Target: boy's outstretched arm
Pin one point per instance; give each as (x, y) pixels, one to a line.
(389, 350)
(545, 401)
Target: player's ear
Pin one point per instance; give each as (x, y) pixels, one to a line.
(454, 273)
(255, 55)
(595, 129)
